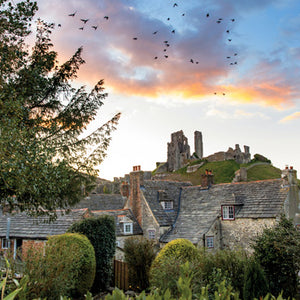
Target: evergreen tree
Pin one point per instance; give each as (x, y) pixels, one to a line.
(45, 163)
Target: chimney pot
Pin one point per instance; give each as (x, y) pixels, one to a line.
(291, 167)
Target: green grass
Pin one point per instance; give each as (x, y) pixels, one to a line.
(224, 172)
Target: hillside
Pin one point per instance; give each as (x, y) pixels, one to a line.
(224, 171)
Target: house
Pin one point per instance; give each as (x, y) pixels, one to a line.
(216, 216)
(20, 232)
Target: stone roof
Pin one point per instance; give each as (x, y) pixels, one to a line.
(199, 207)
(23, 226)
(121, 216)
(170, 191)
(102, 202)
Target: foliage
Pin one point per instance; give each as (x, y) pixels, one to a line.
(261, 158)
(277, 251)
(67, 268)
(101, 232)
(45, 160)
(139, 255)
(255, 282)
(165, 268)
(212, 268)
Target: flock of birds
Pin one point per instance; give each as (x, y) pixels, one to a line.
(166, 44)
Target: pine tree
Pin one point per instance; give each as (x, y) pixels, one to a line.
(45, 162)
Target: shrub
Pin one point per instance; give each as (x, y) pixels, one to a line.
(255, 282)
(139, 255)
(102, 234)
(259, 157)
(212, 268)
(277, 251)
(165, 268)
(67, 269)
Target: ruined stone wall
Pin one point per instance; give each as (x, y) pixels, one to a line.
(178, 151)
(232, 154)
(198, 144)
(240, 232)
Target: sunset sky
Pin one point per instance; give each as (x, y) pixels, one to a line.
(230, 69)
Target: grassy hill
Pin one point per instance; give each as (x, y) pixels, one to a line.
(224, 171)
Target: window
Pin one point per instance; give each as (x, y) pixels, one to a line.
(167, 204)
(151, 234)
(5, 244)
(210, 242)
(118, 243)
(128, 228)
(228, 212)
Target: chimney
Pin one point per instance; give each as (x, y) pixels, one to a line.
(135, 203)
(207, 179)
(124, 189)
(289, 176)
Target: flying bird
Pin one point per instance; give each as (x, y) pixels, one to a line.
(95, 27)
(229, 40)
(235, 54)
(84, 20)
(232, 20)
(173, 31)
(227, 31)
(135, 38)
(219, 21)
(191, 60)
(228, 57)
(72, 15)
(168, 19)
(106, 17)
(166, 56)
(207, 15)
(175, 4)
(59, 25)
(166, 42)
(183, 15)
(155, 57)
(155, 32)
(81, 28)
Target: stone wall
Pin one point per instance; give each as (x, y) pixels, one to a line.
(240, 232)
(231, 154)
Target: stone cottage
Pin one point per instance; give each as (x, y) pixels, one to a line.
(212, 215)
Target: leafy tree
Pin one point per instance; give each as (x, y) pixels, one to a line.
(277, 251)
(101, 232)
(139, 255)
(45, 160)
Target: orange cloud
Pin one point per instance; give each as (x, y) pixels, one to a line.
(293, 116)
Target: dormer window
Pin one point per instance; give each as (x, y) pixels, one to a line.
(128, 228)
(167, 205)
(228, 212)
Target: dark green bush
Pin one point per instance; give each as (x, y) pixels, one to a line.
(212, 268)
(259, 157)
(67, 268)
(277, 251)
(139, 255)
(255, 282)
(165, 268)
(102, 234)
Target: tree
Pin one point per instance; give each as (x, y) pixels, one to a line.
(45, 161)
(101, 232)
(277, 251)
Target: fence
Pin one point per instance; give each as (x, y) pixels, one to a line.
(121, 275)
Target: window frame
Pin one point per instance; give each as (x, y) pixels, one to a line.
(228, 215)
(210, 242)
(4, 243)
(169, 202)
(152, 236)
(125, 224)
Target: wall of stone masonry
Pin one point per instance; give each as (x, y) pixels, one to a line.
(239, 233)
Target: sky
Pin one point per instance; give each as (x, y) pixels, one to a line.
(227, 68)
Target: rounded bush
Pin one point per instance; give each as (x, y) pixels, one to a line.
(70, 265)
(165, 268)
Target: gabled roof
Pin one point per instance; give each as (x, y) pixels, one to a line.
(199, 207)
(171, 191)
(102, 202)
(121, 215)
(23, 226)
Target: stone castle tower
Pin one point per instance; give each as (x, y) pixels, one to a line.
(179, 150)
